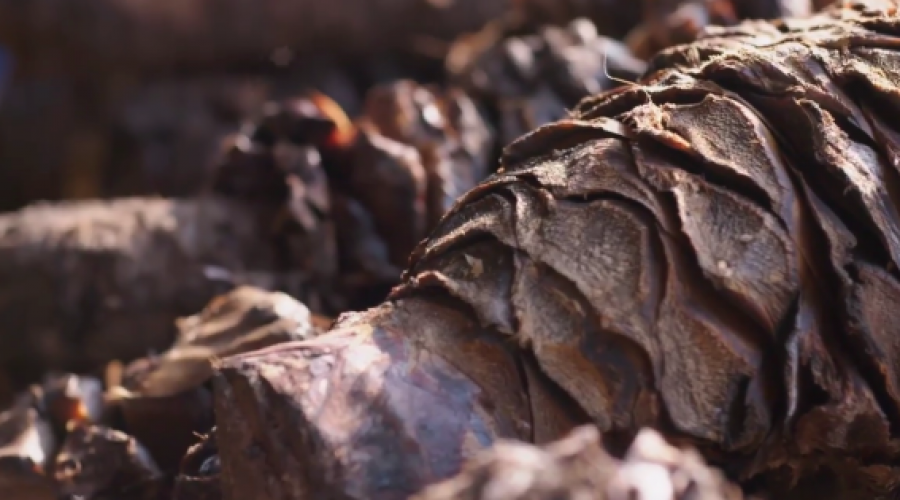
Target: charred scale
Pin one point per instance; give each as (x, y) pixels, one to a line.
(712, 253)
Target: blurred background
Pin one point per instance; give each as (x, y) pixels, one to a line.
(102, 98)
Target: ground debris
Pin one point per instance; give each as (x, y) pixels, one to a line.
(135, 434)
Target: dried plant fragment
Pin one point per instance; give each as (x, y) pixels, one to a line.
(171, 387)
(283, 431)
(360, 194)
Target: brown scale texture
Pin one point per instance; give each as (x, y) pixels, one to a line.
(712, 252)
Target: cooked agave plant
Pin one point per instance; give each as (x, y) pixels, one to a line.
(712, 252)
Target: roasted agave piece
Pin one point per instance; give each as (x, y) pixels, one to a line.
(292, 157)
(454, 145)
(42, 412)
(366, 191)
(64, 139)
(712, 253)
(45, 427)
(288, 178)
(533, 79)
(664, 247)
